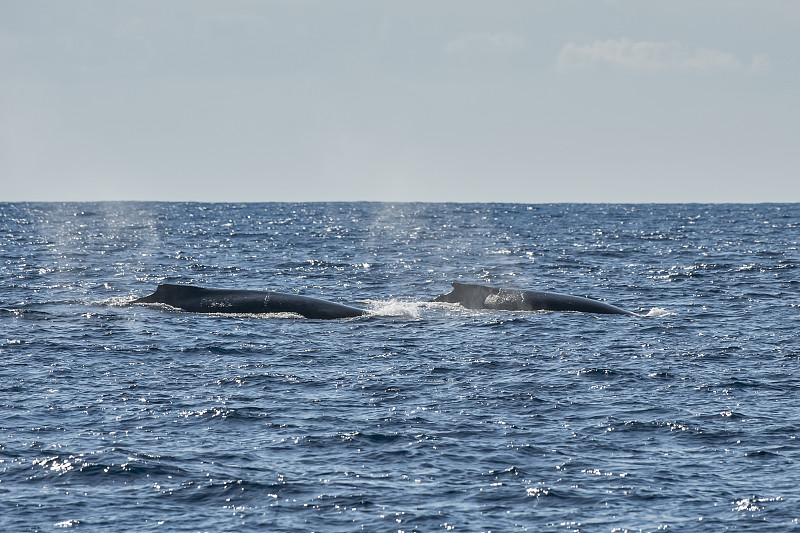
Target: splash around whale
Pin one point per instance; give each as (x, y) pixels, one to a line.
(483, 297)
(200, 300)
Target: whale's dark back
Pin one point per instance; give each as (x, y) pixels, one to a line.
(483, 297)
(179, 296)
(200, 300)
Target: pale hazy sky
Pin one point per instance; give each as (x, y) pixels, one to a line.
(300, 100)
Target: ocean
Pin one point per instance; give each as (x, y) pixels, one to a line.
(419, 416)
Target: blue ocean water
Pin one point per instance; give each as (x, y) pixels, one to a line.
(420, 416)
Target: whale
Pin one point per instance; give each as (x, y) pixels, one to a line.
(201, 300)
(496, 298)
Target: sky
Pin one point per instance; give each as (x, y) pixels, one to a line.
(370, 100)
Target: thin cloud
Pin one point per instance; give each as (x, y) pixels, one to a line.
(650, 56)
(8, 44)
(232, 22)
(485, 42)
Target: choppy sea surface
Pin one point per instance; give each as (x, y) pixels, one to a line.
(419, 416)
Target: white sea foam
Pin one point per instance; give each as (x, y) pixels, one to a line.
(115, 301)
(660, 312)
(284, 316)
(396, 308)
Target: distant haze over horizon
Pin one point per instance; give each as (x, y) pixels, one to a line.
(537, 102)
